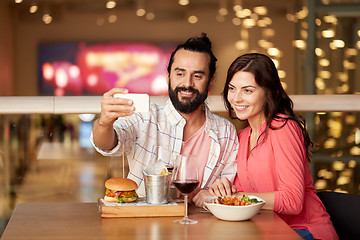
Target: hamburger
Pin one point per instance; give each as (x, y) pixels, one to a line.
(120, 190)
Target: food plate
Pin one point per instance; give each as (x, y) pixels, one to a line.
(233, 213)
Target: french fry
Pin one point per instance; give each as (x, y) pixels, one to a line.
(165, 172)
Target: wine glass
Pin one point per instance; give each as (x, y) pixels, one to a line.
(166, 156)
(186, 181)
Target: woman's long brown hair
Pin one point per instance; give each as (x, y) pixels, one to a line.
(276, 99)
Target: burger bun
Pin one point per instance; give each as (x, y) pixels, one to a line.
(120, 184)
(110, 199)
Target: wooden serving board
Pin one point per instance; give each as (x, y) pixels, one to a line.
(127, 210)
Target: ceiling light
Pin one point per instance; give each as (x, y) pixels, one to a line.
(140, 12)
(33, 8)
(273, 52)
(282, 74)
(319, 52)
(330, 19)
(249, 23)
(303, 34)
(241, 45)
(330, 33)
(343, 77)
(301, 44)
(247, 12)
(237, 5)
(236, 21)
(269, 32)
(351, 52)
(349, 65)
(318, 22)
(265, 44)
(320, 83)
(276, 63)
(193, 19)
(355, 150)
(150, 16)
(291, 17)
(223, 11)
(301, 14)
(112, 18)
(110, 4)
(339, 43)
(261, 23)
(267, 20)
(183, 2)
(47, 18)
(352, 164)
(357, 136)
(261, 10)
(254, 16)
(325, 74)
(324, 62)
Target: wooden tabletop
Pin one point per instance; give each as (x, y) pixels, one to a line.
(82, 221)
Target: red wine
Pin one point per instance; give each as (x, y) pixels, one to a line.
(186, 187)
(169, 168)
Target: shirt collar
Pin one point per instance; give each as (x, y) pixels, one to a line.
(173, 115)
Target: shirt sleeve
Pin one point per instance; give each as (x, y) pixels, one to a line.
(126, 129)
(229, 155)
(289, 154)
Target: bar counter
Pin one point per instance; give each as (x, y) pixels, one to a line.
(82, 221)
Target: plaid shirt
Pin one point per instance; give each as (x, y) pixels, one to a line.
(163, 126)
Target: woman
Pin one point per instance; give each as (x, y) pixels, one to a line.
(273, 157)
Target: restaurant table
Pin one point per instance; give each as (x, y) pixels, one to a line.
(82, 221)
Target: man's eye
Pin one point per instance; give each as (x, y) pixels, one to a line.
(198, 76)
(179, 74)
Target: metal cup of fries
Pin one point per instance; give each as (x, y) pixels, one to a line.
(157, 187)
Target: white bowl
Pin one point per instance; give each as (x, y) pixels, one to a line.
(233, 213)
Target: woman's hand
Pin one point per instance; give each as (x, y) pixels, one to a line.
(200, 197)
(222, 187)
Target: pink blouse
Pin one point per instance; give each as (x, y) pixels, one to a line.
(279, 164)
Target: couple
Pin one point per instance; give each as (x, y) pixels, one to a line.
(271, 160)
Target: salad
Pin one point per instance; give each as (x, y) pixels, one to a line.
(234, 200)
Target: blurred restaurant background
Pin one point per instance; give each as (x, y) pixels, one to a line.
(85, 47)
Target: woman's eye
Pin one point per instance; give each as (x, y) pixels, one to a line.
(231, 88)
(248, 91)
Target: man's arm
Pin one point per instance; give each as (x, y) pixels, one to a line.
(104, 136)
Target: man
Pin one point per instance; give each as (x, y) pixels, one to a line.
(184, 125)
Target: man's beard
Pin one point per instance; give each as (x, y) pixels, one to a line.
(188, 105)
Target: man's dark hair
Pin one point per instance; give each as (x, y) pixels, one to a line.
(197, 44)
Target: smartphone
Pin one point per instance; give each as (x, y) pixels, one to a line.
(141, 100)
